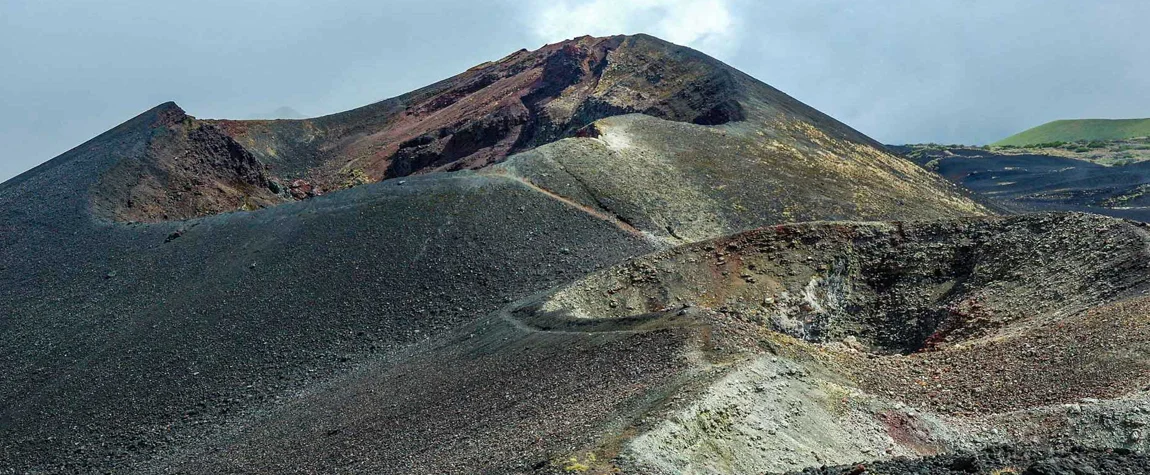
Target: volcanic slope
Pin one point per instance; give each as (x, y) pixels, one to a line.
(124, 340)
(774, 350)
(801, 163)
(133, 341)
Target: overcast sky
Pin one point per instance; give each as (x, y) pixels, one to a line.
(954, 71)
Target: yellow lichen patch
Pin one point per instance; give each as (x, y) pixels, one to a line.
(354, 177)
(839, 398)
(577, 464)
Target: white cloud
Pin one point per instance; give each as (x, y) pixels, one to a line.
(707, 25)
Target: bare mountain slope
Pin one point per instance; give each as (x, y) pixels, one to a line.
(152, 319)
(122, 340)
(494, 110)
(682, 182)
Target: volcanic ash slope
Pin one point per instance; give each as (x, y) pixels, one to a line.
(184, 294)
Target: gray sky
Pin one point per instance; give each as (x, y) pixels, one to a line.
(963, 71)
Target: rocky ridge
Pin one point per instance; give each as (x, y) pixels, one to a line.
(190, 168)
(502, 108)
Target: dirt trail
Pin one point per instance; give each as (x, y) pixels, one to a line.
(614, 220)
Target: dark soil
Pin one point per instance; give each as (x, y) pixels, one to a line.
(1035, 182)
(493, 398)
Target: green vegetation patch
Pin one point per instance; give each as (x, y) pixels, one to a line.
(1079, 130)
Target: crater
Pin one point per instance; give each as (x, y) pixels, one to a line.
(886, 288)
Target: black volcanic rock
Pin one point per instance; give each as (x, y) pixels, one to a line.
(1027, 182)
(190, 169)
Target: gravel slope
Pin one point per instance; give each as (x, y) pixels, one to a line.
(165, 329)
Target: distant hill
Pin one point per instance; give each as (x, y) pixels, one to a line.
(1080, 130)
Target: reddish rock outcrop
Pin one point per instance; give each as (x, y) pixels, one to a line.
(477, 118)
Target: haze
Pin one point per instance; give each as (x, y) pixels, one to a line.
(900, 71)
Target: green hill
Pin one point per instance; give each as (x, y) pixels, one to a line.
(1080, 130)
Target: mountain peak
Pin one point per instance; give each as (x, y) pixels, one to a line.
(479, 117)
(168, 113)
(536, 97)
(188, 168)
(471, 121)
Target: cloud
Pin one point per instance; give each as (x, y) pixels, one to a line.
(707, 25)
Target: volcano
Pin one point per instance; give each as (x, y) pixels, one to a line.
(575, 259)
